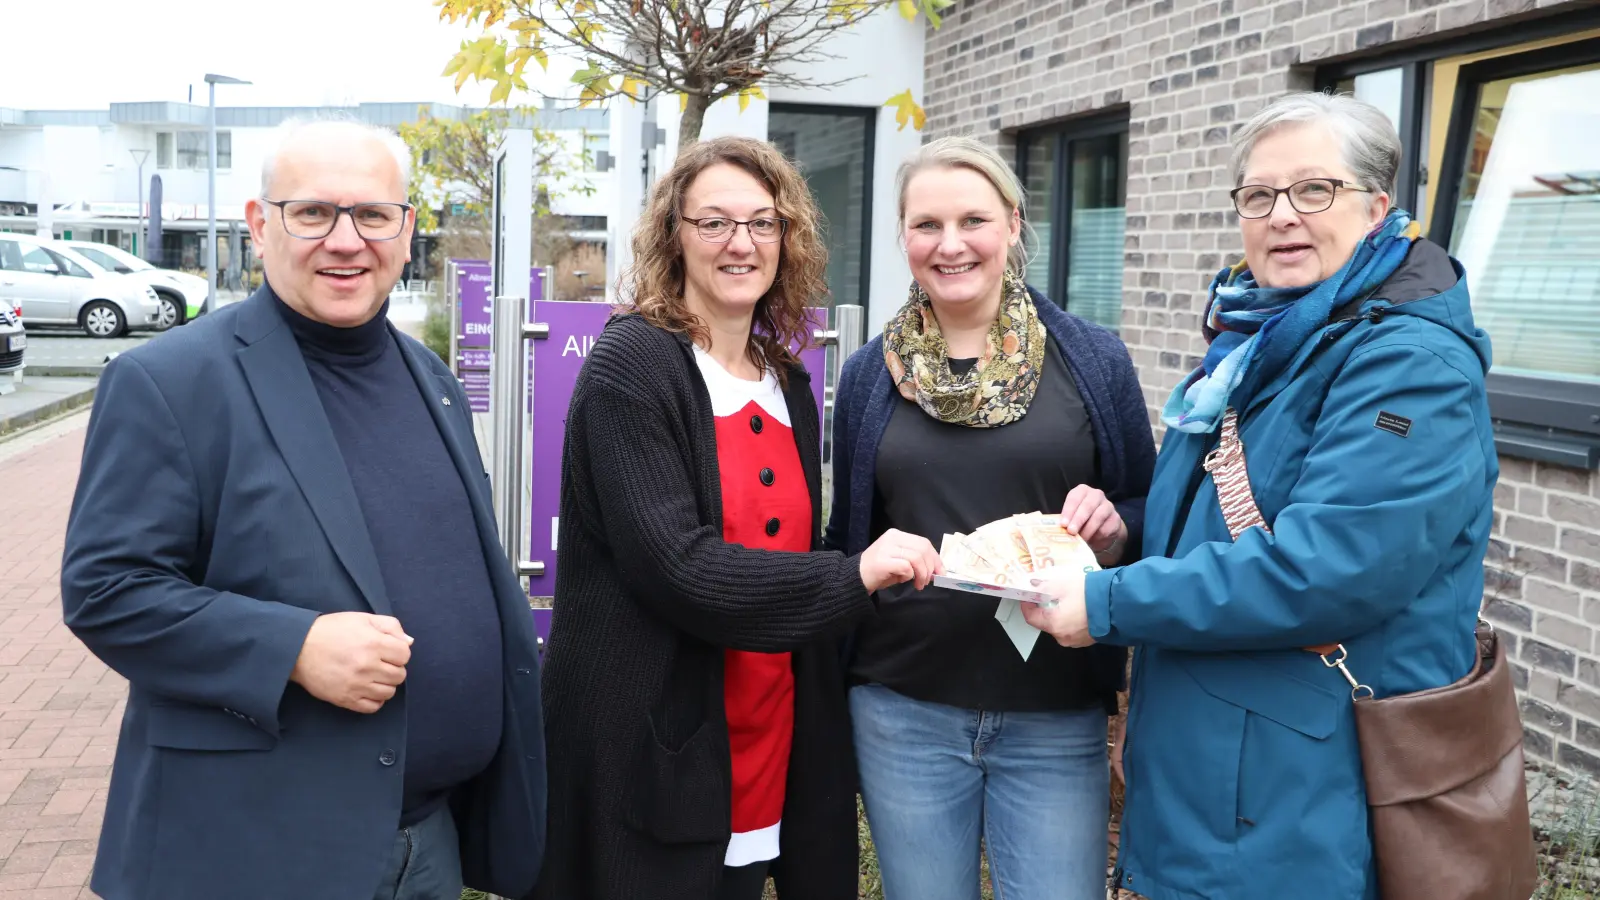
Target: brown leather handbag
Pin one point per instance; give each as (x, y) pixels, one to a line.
(1446, 793)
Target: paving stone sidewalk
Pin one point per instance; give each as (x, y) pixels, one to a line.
(60, 708)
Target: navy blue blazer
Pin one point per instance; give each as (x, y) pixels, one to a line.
(1124, 443)
(214, 520)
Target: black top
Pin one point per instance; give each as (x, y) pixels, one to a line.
(935, 478)
(420, 521)
(648, 596)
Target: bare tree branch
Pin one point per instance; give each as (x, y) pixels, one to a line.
(701, 50)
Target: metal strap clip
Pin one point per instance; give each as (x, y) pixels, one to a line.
(1356, 687)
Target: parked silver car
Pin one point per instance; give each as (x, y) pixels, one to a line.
(12, 339)
(58, 286)
(182, 295)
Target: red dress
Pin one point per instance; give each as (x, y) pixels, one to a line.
(766, 504)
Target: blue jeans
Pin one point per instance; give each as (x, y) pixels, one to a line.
(425, 863)
(1034, 785)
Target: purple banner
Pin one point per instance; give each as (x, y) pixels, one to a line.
(475, 338)
(574, 326)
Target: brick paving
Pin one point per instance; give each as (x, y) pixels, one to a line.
(60, 708)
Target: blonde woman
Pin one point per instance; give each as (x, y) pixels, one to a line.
(982, 399)
(695, 705)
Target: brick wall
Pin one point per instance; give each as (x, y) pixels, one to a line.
(1187, 72)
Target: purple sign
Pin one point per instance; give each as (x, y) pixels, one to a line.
(475, 339)
(574, 326)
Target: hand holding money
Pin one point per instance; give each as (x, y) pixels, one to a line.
(1067, 619)
(1005, 552)
(1091, 515)
(896, 557)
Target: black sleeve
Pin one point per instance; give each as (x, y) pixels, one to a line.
(679, 567)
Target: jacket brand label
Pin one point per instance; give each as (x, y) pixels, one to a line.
(1393, 424)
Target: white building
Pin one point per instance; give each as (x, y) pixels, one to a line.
(81, 165)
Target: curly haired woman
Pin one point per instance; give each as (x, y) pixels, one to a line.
(698, 727)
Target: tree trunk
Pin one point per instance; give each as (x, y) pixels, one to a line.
(689, 124)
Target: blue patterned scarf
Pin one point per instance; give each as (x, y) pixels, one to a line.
(1254, 331)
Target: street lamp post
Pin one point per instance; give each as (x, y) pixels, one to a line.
(139, 157)
(211, 191)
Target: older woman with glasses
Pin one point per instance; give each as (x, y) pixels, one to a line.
(1341, 408)
(698, 733)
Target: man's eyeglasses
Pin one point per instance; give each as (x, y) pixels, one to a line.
(1313, 195)
(720, 229)
(314, 219)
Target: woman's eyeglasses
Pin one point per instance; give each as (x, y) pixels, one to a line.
(1313, 195)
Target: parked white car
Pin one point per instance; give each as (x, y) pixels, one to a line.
(13, 341)
(59, 286)
(181, 295)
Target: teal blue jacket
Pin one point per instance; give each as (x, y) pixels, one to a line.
(1244, 777)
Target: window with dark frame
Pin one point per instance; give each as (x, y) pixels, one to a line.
(1502, 166)
(833, 147)
(1075, 180)
(191, 150)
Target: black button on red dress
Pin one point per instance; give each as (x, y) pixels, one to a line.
(767, 477)
(772, 528)
(756, 424)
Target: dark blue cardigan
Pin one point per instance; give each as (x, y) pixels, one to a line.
(1111, 392)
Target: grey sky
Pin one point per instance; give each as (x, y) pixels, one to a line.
(88, 54)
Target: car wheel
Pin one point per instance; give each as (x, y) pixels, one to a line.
(169, 311)
(103, 320)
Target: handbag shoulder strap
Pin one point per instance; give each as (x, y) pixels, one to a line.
(1226, 464)
(1228, 471)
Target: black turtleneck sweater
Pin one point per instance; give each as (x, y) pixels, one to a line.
(418, 515)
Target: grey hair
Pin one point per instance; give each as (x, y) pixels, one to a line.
(334, 127)
(1370, 143)
(963, 152)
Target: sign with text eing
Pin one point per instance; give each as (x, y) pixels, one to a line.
(474, 344)
(557, 358)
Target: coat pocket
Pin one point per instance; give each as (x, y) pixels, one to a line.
(190, 727)
(1266, 690)
(680, 796)
(1300, 807)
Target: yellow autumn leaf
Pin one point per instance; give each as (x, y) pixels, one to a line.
(846, 9)
(933, 7)
(501, 91)
(542, 58)
(683, 104)
(632, 87)
(908, 10)
(587, 30)
(490, 55)
(907, 111)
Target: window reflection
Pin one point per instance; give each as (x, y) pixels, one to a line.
(1527, 223)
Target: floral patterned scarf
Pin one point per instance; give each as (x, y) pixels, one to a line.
(998, 390)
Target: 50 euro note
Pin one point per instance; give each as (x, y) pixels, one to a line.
(997, 560)
(1052, 547)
